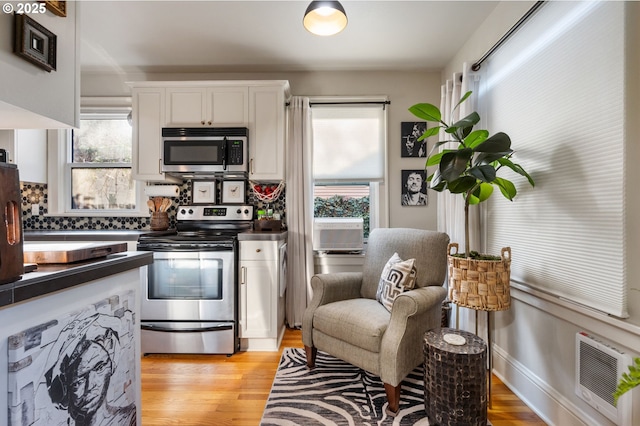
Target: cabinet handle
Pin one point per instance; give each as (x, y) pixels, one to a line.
(251, 166)
(209, 122)
(243, 275)
(258, 250)
(202, 122)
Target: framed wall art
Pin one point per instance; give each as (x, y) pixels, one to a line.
(414, 188)
(233, 192)
(57, 7)
(410, 132)
(35, 43)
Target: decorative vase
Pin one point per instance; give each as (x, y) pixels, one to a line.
(159, 221)
(480, 284)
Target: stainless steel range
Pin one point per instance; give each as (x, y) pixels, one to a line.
(190, 292)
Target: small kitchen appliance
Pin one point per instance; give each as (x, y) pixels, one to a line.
(190, 292)
(11, 254)
(201, 151)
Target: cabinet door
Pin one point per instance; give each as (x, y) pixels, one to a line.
(257, 303)
(228, 106)
(266, 133)
(186, 106)
(27, 148)
(148, 116)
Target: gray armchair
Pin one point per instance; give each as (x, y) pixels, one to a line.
(345, 320)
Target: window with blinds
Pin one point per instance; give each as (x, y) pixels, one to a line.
(557, 88)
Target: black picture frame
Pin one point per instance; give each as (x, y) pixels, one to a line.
(34, 43)
(410, 132)
(411, 198)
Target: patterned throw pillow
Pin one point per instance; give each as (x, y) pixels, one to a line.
(397, 276)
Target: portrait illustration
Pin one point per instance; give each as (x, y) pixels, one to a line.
(77, 369)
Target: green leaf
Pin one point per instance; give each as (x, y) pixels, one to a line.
(516, 168)
(482, 193)
(500, 142)
(507, 188)
(490, 157)
(475, 138)
(628, 380)
(454, 163)
(429, 132)
(435, 159)
(461, 185)
(462, 99)
(469, 121)
(485, 172)
(428, 112)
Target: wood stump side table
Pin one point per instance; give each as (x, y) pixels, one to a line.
(455, 378)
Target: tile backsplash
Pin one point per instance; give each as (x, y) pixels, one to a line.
(37, 193)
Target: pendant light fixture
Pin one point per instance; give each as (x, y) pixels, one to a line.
(325, 18)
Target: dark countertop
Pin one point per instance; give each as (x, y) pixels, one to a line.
(85, 235)
(262, 236)
(55, 277)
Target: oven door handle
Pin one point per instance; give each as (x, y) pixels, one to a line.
(186, 330)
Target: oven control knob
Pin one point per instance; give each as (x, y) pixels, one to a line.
(190, 211)
(246, 211)
(183, 211)
(238, 211)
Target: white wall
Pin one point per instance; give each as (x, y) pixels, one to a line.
(31, 97)
(534, 349)
(404, 88)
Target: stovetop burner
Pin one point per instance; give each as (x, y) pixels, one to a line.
(203, 226)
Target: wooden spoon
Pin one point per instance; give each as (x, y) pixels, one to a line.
(166, 203)
(151, 205)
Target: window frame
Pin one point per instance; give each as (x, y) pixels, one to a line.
(60, 165)
(378, 189)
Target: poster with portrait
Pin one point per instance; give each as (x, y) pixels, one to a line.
(414, 188)
(411, 131)
(76, 368)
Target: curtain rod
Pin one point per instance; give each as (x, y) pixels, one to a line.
(530, 12)
(349, 103)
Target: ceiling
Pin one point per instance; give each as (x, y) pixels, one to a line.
(264, 36)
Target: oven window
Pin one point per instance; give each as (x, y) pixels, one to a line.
(186, 279)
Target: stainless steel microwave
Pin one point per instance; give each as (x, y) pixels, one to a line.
(205, 150)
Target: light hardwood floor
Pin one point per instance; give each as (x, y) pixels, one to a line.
(199, 390)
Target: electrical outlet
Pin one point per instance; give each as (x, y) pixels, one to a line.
(35, 209)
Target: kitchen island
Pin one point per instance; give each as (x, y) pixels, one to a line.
(58, 318)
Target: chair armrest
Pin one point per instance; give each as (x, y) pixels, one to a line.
(329, 288)
(414, 313)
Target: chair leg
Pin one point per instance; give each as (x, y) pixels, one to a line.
(311, 352)
(393, 396)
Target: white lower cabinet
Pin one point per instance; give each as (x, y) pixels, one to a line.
(261, 296)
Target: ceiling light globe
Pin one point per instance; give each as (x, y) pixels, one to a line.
(325, 18)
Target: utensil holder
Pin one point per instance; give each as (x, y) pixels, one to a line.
(159, 221)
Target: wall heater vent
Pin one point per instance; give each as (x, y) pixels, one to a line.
(598, 369)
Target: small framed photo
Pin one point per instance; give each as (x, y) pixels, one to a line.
(414, 188)
(233, 192)
(411, 131)
(204, 192)
(34, 43)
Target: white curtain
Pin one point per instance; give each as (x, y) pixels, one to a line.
(451, 206)
(299, 200)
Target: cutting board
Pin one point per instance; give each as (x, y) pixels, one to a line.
(69, 252)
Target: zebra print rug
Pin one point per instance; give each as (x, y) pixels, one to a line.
(337, 393)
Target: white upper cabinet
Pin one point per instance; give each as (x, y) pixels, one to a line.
(148, 118)
(225, 106)
(28, 150)
(267, 132)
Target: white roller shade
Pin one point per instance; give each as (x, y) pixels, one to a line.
(348, 142)
(557, 88)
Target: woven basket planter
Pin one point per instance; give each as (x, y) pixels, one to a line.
(480, 284)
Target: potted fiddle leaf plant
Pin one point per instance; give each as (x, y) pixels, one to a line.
(470, 169)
